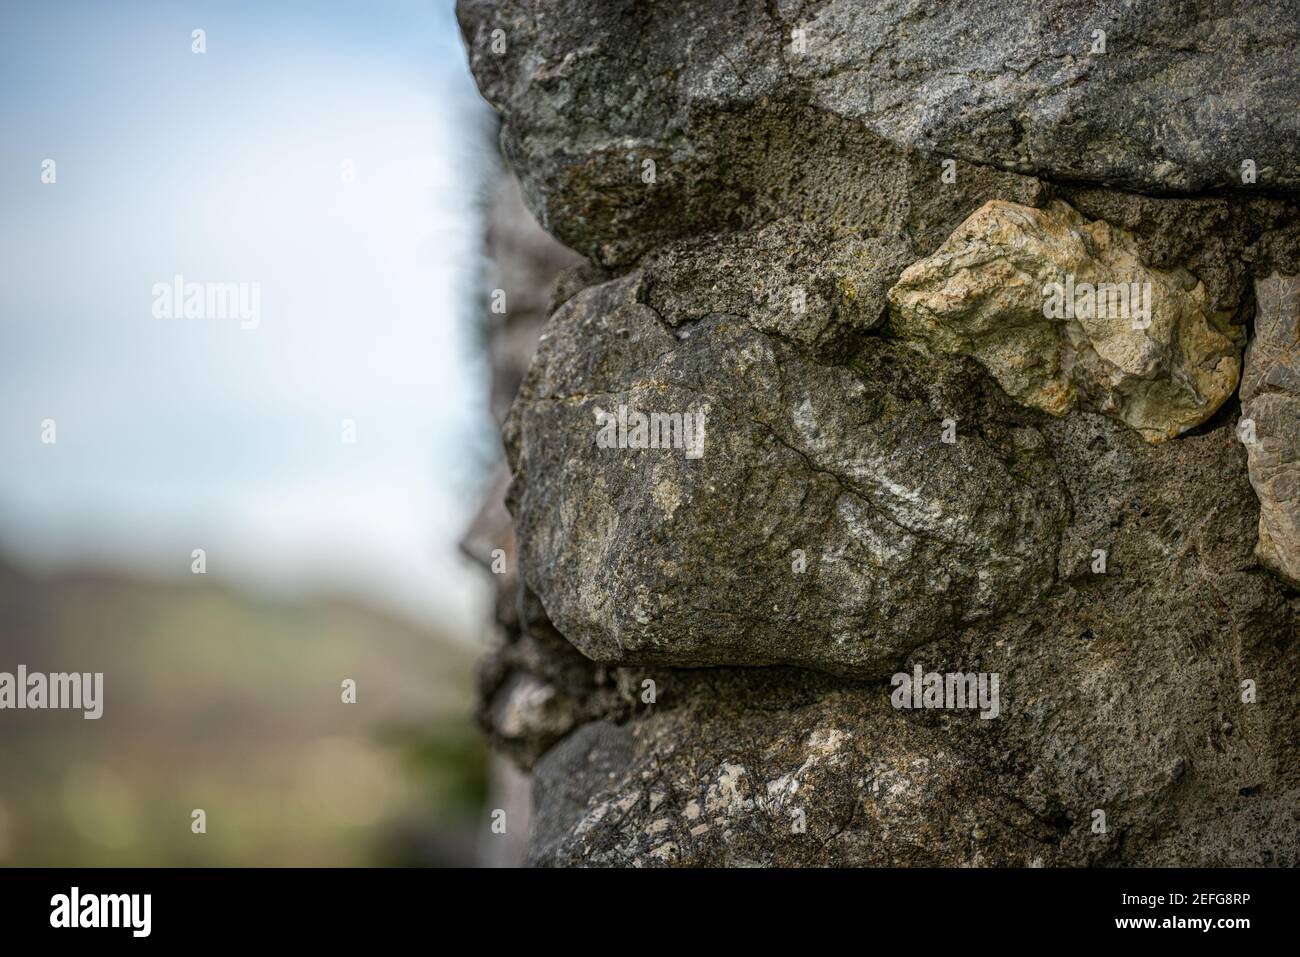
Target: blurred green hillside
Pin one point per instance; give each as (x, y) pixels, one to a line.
(231, 702)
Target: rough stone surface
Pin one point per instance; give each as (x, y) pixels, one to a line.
(1062, 312)
(1270, 394)
(698, 654)
(1120, 692)
(809, 287)
(651, 556)
(590, 92)
(840, 780)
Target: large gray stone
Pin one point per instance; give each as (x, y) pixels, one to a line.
(717, 94)
(838, 781)
(826, 524)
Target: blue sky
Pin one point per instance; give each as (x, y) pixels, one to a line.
(228, 166)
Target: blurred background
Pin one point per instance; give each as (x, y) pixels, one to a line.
(336, 154)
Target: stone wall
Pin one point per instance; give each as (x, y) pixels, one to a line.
(910, 341)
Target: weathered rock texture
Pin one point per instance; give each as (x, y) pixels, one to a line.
(1062, 312)
(1181, 97)
(650, 556)
(1270, 396)
(697, 664)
